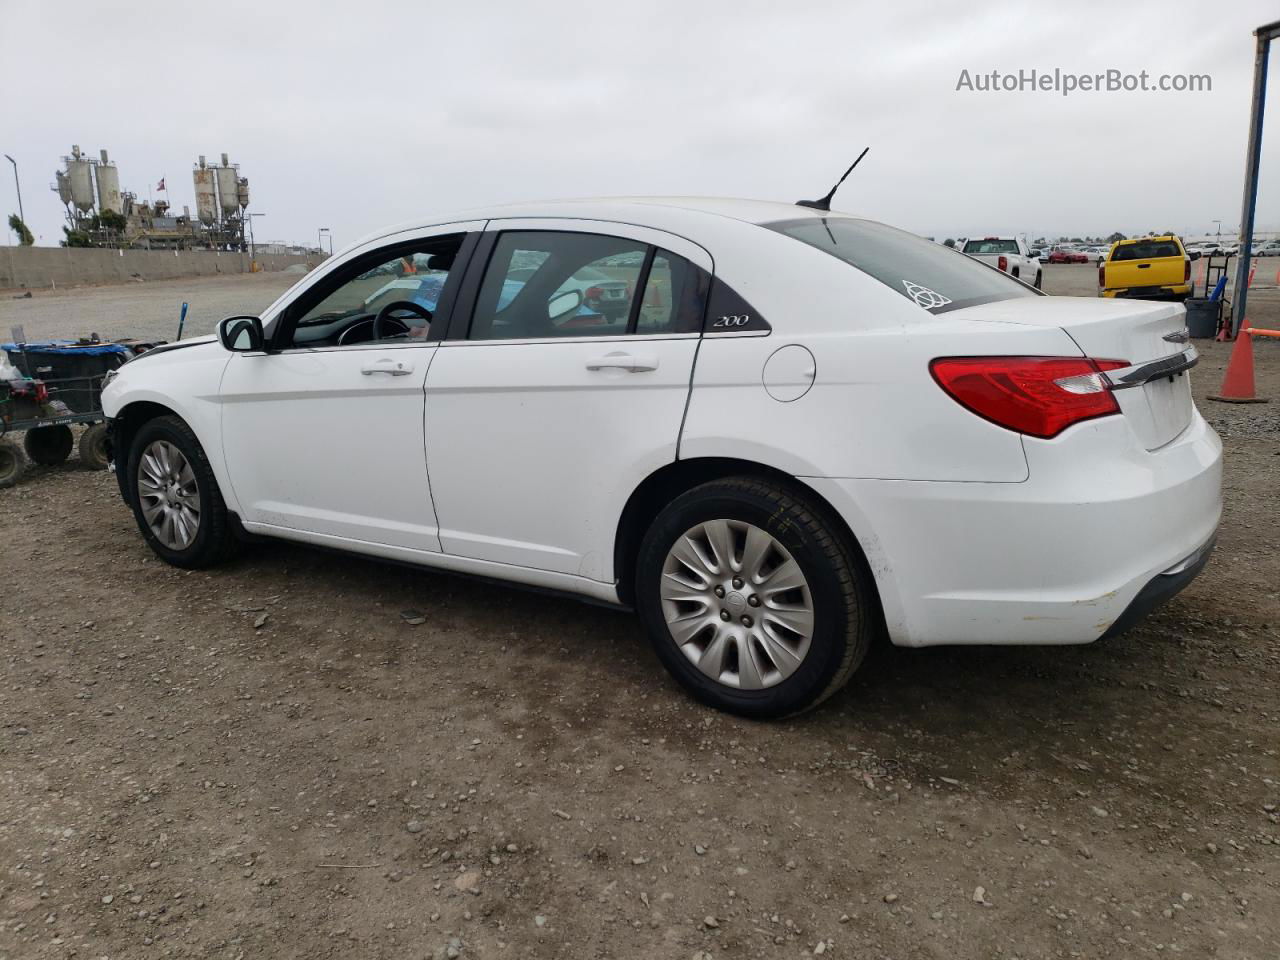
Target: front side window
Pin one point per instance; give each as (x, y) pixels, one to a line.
(562, 284)
(390, 295)
(929, 274)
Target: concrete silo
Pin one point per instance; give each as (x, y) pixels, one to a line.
(206, 197)
(108, 178)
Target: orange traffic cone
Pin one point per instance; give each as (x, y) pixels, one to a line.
(1237, 384)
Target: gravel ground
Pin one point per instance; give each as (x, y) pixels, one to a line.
(270, 760)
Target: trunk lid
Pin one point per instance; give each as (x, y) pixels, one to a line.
(1136, 331)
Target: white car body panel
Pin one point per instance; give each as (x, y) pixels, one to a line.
(511, 459)
(530, 466)
(314, 443)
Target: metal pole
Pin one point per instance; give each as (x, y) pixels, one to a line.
(17, 186)
(1254, 151)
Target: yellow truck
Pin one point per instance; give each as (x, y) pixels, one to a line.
(1149, 268)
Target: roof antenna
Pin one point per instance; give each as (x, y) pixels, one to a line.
(825, 202)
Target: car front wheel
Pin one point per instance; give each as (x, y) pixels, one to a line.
(175, 497)
(753, 599)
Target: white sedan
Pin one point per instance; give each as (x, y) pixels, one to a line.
(806, 431)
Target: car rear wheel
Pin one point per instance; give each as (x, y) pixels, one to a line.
(49, 446)
(752, 598)
(175, 497)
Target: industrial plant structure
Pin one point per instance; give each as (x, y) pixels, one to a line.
(107, 217)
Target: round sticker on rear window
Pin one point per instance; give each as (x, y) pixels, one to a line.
(924, 297)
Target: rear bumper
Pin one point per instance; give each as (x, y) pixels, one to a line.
(1097, 535)
(1173, 292)
(1161, 589)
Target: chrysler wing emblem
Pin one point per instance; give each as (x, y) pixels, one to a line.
(1182, 336)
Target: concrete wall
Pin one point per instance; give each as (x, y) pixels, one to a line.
(45, 267)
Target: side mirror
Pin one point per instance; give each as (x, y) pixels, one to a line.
(1195, 255)
(564, 303)
(241, 334)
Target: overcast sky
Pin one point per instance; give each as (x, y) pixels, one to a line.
(354, 115)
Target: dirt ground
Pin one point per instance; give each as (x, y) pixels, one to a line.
(268, 760)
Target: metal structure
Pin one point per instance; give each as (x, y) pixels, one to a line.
(108, 178)
(109, 217)
(17, 184)
(206, 193)
(80, 178)
(1253, 153)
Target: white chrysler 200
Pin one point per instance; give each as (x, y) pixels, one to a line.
(775, 431)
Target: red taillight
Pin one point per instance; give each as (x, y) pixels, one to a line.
(1003, 263)
(1102, 274)
(1025, 393)
(593, 293)
(1186, 271)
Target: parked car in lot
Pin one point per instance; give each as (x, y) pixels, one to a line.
(1067, 255)
(1008, 255)
(807, 431)
(1270, 248)
(1151, 268)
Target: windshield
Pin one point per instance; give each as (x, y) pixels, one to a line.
(933, 276)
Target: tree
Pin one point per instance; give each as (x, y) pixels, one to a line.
(24, 235)
(76, 238)
(948, 242)
(1116, 237)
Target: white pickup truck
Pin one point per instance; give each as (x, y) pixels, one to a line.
(1007, 254)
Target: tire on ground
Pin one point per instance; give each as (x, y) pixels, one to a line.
(845, 604)
(214, 540)
(93, 447)
(49, 446)
(13, 462)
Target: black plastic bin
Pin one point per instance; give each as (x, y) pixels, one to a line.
(72, 372)
(1202, 317)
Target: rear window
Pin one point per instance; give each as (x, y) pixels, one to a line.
(934, 276)
(1146, 250)
(981, 247)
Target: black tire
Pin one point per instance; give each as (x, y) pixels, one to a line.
(13, 463)
(1039, 278)
(49, 446)
(845, 604)
(214, 540)
(93, 447)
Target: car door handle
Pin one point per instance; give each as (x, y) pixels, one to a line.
(394, 368)
(623, 361)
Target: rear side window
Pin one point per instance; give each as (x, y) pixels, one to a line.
(559, 284)
(1146, 250)
(929, 274)
(982, 247)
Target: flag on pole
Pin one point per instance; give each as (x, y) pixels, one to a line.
(160, 186)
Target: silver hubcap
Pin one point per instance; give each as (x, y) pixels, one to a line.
(737, 604)
(169, 495)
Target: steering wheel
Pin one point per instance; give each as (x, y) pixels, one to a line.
(394, 306)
